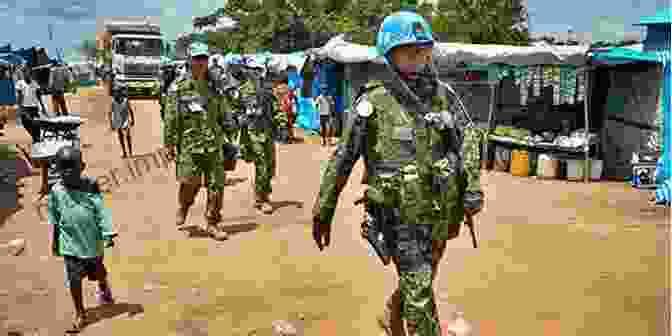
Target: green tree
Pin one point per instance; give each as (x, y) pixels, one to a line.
(467, 21)
(478, 21)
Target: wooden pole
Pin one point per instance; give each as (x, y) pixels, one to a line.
(490, 126)
(586, 108)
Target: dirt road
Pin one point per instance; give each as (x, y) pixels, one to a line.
(585, 259)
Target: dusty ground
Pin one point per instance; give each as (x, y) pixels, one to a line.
(585, 259)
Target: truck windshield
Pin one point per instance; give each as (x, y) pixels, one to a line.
(138, 47)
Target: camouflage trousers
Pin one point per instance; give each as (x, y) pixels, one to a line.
(416, 257)
(258, 147)
(210, 166)
(413, 256)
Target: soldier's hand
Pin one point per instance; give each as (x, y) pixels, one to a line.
(364, 228)
(321, 231)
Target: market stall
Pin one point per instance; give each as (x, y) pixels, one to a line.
(637, 108)
(456, 64)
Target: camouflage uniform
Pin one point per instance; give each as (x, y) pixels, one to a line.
(281, 122)
(257, 145)
(169, 113)
(199, 139)
(419, 179)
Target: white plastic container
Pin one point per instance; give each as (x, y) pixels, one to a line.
(596, 169)
(547, 167)
(576, 168)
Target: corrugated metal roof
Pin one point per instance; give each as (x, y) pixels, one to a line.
(581, 37)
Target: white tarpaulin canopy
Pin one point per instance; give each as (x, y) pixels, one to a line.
(277, 61)
(454, 53)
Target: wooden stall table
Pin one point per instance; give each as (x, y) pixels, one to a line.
(56, 132)
(534, 149)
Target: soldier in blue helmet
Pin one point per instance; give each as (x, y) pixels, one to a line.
(196, 135)
(422, 163)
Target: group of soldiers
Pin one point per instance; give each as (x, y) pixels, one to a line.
(419, 145)
(215, 113)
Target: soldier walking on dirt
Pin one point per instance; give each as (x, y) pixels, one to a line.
(197, 134)
(256, 138)
(170, 106)
(422, 162)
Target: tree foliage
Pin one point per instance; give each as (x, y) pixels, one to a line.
(468, 21)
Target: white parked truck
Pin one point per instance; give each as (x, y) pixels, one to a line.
(136, 55)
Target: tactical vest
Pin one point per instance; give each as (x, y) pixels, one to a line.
(412, 166)
(257, 107)
(197, 132)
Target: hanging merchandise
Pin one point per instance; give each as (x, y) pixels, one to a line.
(567, 84)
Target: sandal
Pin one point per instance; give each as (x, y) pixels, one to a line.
(77, 325)
(215, 233)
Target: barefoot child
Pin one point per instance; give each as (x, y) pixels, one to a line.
(122, 117)
(81, 228)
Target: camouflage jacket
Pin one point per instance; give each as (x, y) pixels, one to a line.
(197, 126)
(280, 119)
(427, 169)
(169, 114)
(265, 118)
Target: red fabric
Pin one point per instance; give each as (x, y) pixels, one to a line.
(287, 102)
(287, 105)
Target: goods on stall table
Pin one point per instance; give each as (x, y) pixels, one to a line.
(643, 175)
(548, 167)
(520, 165)
(533, 158)
(502, 158)
(576, 169)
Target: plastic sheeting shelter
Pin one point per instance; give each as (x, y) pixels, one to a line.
(12, 58)
(278, 61)
(456, 53)
(631, 55)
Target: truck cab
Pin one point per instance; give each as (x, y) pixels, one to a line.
(136, 57)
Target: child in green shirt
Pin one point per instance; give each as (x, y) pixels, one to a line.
(82, 228)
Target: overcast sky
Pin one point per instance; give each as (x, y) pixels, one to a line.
(24, 23)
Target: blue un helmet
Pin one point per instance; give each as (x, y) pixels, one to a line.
(403, 28)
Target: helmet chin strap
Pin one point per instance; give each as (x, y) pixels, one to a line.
(402, 83)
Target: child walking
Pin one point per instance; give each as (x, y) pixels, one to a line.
(81, 229)
(122, 117)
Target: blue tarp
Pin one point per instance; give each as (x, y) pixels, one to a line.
(294, 80)
(307, 116)
(6, 48)
(12, 58)
(7, 92)
(26, 54)
(664, 187)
